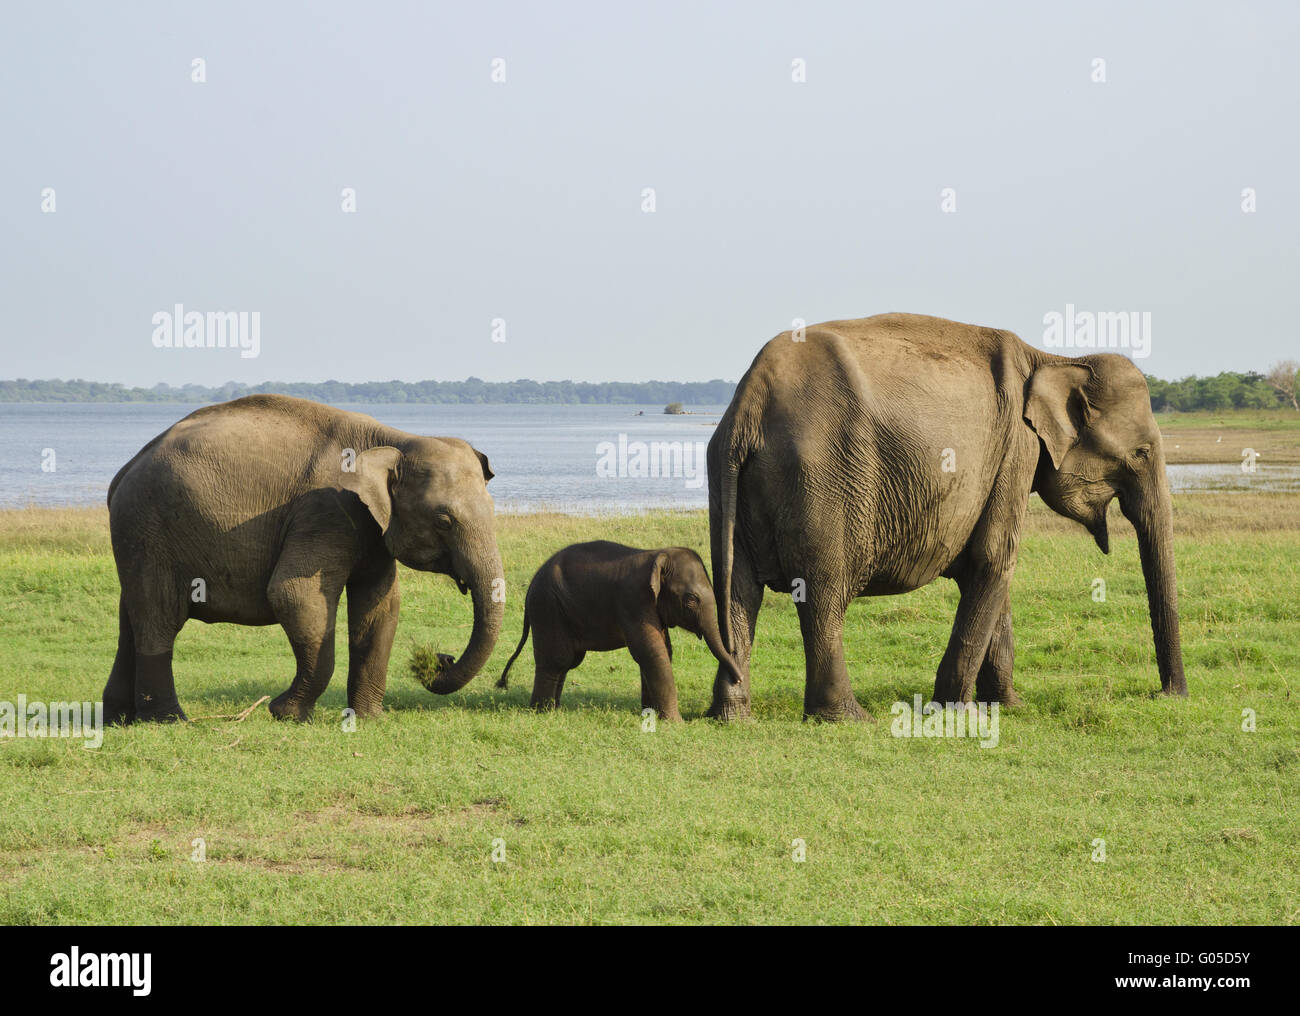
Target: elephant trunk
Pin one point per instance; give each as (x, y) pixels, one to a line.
(713, 639)
(480, 576)
(1152, 517)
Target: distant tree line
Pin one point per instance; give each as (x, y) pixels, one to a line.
(473, 390)
(1229, 390)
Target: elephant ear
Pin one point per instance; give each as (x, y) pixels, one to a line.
(487, 469)
(1056, 406)
(657, 567)
(372, 480)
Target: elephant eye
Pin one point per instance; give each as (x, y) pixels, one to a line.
(1143, 452)
(442, 519)
(691, 600)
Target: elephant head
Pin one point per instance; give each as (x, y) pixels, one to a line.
(431, 502)
(684, 599)
(1100, 441)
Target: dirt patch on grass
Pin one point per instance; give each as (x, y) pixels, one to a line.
(335, 839)
(1209, 444)
(412, 819)
(302, 866)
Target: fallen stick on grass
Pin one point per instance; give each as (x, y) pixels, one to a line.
(237, 717)
(245, 714)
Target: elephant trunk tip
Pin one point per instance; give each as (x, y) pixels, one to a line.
(450, 674)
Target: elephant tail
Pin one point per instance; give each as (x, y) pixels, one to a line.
(504, 681)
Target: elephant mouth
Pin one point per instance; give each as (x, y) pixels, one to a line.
(442, 564)
(461, 584)
(1100, 533)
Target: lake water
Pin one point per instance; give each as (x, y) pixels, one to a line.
(544, 457)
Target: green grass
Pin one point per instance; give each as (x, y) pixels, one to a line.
(1238, 419)
(1219, 437)
(693, 823)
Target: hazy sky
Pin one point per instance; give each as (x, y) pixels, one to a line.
(522, 200)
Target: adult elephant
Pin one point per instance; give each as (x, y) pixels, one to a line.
(262, 511)
(869, 457)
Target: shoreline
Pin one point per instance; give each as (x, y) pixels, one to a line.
(1195, 514)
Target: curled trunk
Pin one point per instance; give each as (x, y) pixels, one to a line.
(488, 613)
(713, 639)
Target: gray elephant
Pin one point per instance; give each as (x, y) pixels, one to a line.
(262, 511)
(596, 597)
(869, 457)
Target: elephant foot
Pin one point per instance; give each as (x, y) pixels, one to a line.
(366, 710)
(672, 715)
(283, 707)
(118, 713)
(150, 710)
(948, 693)
(837, 712)
(1005, 697)
(1175, 690)
(729, 710)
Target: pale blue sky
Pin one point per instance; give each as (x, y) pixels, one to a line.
(522, 200)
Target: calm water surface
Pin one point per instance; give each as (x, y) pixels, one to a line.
(544, 457)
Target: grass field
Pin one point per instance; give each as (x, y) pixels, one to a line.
(1219, 437)
(695, 822)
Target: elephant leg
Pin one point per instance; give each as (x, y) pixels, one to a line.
(156, 610)
(553, 658)
(547, 686)
(373, 602)
(306, 607)
(730, 699)
(155, 689)
(981, 632)
(658, 689)
(827, 692)
(983, 596)
(119, 693)
(993, 683)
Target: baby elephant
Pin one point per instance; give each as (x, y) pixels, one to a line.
(594, 597)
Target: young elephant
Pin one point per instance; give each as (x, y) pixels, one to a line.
(265, 510)
(595, 597)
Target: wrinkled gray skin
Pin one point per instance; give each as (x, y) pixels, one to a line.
(254, 498)
(595, 597)
(828, 467)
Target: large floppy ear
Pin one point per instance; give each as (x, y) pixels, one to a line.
(657, 567)
(1056, 406)
(483, 461)
(372, 478)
